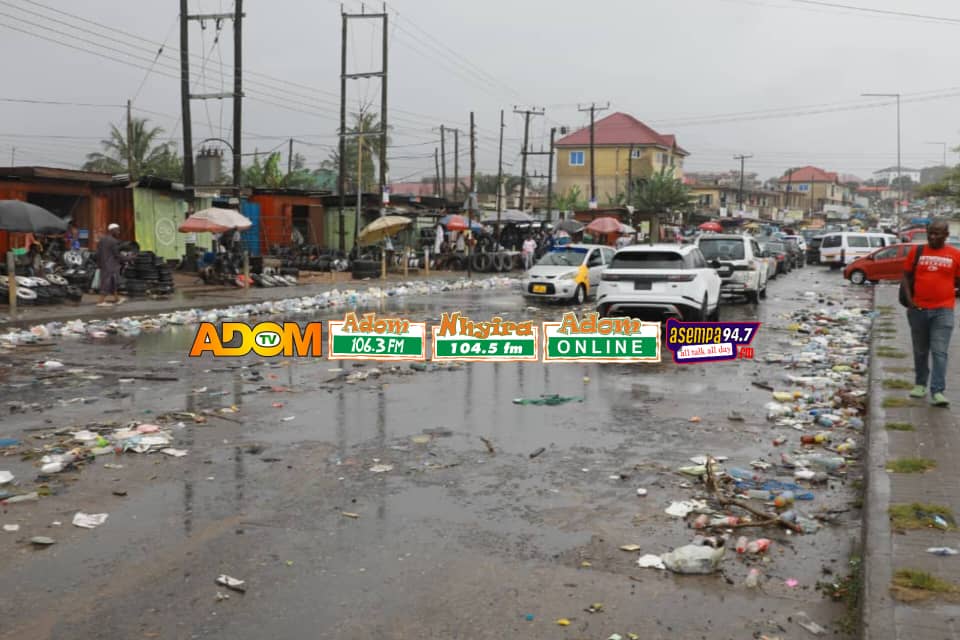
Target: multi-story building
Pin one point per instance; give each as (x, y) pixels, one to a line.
(820, 188)
(624, 147)
(889, 174)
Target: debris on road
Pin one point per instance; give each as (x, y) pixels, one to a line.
(89, 520)
(231, 583)
(5, 477)
(537, 452)
(11, 528)
(551, 399)
(650, 561)
(693, 559)
(630, 547)
(381, 468)
(42, 541)
(350, 514)
(804, 621)
(943, 551)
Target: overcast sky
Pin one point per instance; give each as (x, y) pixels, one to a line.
(712, 72)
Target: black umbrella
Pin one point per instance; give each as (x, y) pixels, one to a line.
(570, 226)
(23, 217)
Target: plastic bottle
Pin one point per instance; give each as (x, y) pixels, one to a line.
(742, 544)
(753, 579)
(788, 516)
(784, 499)
(779, 440)
(701, 521)
(758, 494)
(822, 462)
(743, 474)
(759, 545)
(818, 438)
(726, 521)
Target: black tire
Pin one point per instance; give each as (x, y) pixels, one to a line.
(715, 316)
(763, 293)
(699, 315)
(753, 297)
(580, 295)
(858, 277)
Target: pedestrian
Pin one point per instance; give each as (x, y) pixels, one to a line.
(931, 274)
(72, 238)
(461, 243)
(438, 240)
(109, 261)
(529, 247)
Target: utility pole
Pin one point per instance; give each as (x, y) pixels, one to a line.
(526, 140)
(593, 108)
(185, 101)
(473, 169)
(742, 159)
(553, 135)
(500, 175)
(456, 163)
(630, 176)
(130, 144)
(443, 166)
(436, 175)
(344, 76)
(290, 159)
(237, 93)
(356, 220)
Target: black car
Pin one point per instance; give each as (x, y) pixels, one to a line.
(813, 249)
(799, 259)
(778, 250)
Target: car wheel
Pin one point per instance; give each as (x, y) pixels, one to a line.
(715, 316)
(701, 315)
(580, 295)
(763, 293)
(858, 277)
(753, 297)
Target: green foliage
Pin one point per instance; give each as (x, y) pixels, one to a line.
(362, 122)
(910, 465)
(572, 200)
(148, 158)
(661, 193)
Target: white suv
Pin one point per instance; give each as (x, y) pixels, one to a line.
(740, 263)
(665, 280)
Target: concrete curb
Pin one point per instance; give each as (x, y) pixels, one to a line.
(877, 606)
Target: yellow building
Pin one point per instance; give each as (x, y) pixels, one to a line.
(624, 148)
(816, 187)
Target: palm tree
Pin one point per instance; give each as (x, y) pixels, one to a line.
(145, 157)
(661, 193)
(364, 121)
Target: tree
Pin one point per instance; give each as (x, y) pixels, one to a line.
(661, 193)
(147, 158)
(486, 183)
(572, 200)
(266, 174)
(362, 122)
(903, 182)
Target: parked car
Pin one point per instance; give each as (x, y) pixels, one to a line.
(813, 249)
(570, 272)
(739, 262)
(799, 256)
(914, 236)
(884, 264)
(842, 248)
(801, 242)
(779, 251)
(660, 280)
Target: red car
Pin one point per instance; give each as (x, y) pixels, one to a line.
(885, 263)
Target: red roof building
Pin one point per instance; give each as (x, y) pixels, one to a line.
(810, 174)
(621, 129)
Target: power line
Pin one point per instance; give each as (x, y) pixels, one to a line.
(884, 12)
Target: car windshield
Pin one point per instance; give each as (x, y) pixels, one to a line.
(815, 242)
(647, 260)
(722, 248)
(567, 257)
(776, 246)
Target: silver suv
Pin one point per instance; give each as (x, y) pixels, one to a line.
(739, 262)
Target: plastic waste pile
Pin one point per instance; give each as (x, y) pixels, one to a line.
(73, 449)
(134, 325)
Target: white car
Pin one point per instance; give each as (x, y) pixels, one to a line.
(801, 242)
(570, 272)
(739, 261)
(663, 280)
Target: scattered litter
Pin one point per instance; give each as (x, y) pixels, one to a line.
(350, 514)
(176, 453)
(381, 468)
(52, 364)
(89, 520)
(537, 452)
(734, 416)
(222, 596)
(288, 418)
(423, 439)
(943, 551)
(650, 561)
(33, 496)
(563, 622)
(11, 528)
(693, 559)
(231, 583)
(695, 419)
(641, 492)
(681, 509)
(753, 579)
(548, 399)
(42, 541)
(120, 492)
(791, 582)
(111, 465)
(9, 442)
(804, 621)
(630, 547)
(596, 607)
(278, 405)
(528, 617)
(5, 477)
(615, 636)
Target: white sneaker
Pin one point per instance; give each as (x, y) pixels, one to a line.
(104, 304)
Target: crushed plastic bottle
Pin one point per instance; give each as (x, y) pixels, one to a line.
(742, 543)
(784, 499)
(693, 559)
(820, 462)
(760, 545)
(753, 579)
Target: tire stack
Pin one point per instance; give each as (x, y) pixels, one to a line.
(164, 278)
(147, 275)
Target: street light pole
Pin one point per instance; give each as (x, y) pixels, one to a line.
(899, 167)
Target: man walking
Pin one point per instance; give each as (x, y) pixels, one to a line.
(929, 282)
(529, 247)
(109, 260)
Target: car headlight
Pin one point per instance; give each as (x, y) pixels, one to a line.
(570, 275)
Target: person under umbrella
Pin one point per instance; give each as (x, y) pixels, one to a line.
(110, 260)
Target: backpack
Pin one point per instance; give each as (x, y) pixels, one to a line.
(903, 292)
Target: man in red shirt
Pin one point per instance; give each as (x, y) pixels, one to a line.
(930, 289)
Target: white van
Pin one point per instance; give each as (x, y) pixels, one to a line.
(843, 247)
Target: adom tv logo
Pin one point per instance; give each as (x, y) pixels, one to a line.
(266, 339)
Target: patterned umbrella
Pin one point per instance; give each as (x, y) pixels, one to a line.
(215, 220)
(604, 225)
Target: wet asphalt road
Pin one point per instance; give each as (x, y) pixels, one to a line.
(453, 542)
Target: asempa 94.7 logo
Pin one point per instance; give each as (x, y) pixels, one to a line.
(710, 341)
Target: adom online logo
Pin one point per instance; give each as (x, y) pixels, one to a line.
(266, 339)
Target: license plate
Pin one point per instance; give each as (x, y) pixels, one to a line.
(539, 288)
(642, 284)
